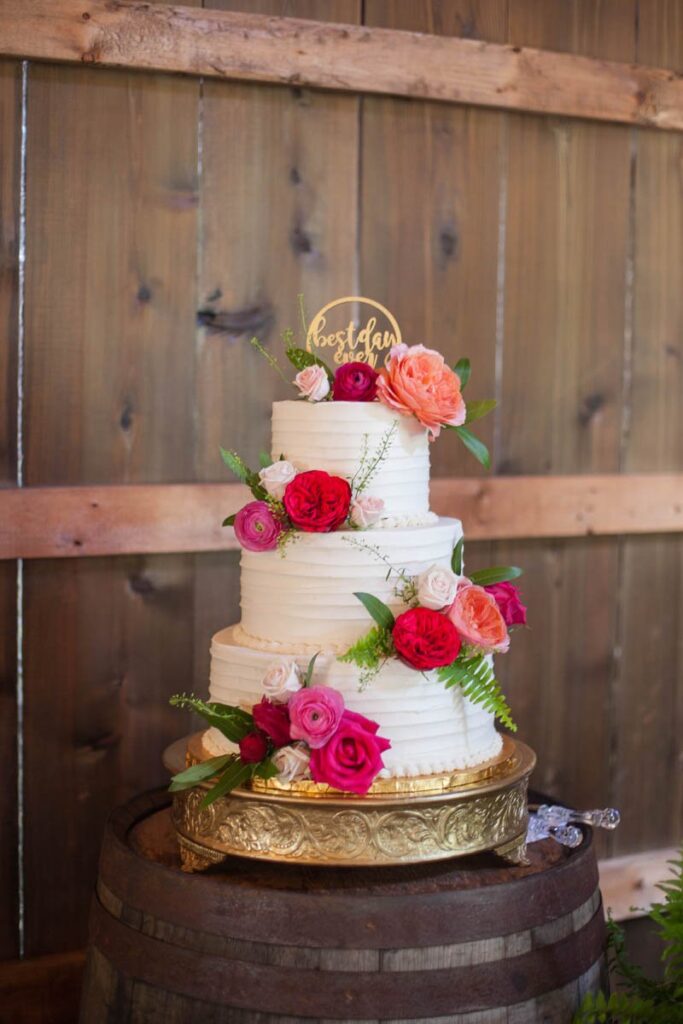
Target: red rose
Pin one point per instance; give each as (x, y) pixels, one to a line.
(317, 502)
(253, 747)
(352, 759)
(509, 603)
(425, 638)
(355, 382)
(273, 720)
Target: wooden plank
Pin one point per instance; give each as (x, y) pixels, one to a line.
(565, 294)
(110, 321)
(41, 990)
(10, 147)
(430, 212)
(630, 885)
(648, 752)
(165, 518)
(290, 51)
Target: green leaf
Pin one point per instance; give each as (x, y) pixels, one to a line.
(236, 465)
(370, 650)
(477, 410)
(463, 370)
(264, 460)
(266, 770)
(229, 520)
(457, 556)
(474, 445)
(309, 671)
(234, 775)
(382, 615)
(300, 359)
(475, 678)
(497, 574)
(199, 772)
(232, 722)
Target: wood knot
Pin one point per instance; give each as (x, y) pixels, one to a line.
(144, 293)
(300, 241)
(590, 407)
(238, 323)
(142, 585)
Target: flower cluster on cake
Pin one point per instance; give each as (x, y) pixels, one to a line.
(364, 649)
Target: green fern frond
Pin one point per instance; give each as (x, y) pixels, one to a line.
(475, 678)
(370, 650)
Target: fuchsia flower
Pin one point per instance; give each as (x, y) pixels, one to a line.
(315, 714)
(509, 602)
(352, 759)
(355, 382)
(253, 747)
(256, 528)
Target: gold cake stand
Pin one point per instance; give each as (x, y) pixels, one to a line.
(400, 821)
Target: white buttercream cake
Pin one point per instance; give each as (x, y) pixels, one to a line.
(301, 601)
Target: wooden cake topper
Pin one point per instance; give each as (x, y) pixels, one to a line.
(352, 339)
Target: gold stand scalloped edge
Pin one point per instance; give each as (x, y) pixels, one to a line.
(481, 809)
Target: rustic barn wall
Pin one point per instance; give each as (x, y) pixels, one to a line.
(167, 221)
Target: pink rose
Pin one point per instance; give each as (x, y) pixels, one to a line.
(315, 713)
(313, 383)
(352, 759)
(273, 720)
(256, 528)
(507, 597)
(417, 381)
(366, 511)
(476, 617)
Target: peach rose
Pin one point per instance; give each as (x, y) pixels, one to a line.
(417, 381)
(478, 620)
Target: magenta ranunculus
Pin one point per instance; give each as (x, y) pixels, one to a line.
(315, 713)
(509, 603)
(253, 747)
(273, 719)
(355, 382)
(352, 759)
(256, 528)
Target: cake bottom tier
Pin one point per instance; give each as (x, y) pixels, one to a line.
(431, 729)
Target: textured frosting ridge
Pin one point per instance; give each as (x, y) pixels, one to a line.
(306, 597)
(331, 436)
(431, 729)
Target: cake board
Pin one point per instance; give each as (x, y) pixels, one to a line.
(400, 821)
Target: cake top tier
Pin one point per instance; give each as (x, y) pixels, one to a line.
(345, 438)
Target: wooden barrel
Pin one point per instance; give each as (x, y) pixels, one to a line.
(257, 943)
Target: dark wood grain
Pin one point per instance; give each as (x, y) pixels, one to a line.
(109, 367)
(10, 123)
(567, 247)
(649, 688)
(431, 180)
(41, 990)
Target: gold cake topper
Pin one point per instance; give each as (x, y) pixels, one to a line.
(353, 341)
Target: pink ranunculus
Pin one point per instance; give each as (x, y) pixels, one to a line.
(315, 713)
(273, 720)
(418, 382)
(256, 528)
(352, 758)
(509, 602)
(355, 382)
(478, 620)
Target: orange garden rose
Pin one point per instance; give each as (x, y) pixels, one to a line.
(417, 381)
(478, 620)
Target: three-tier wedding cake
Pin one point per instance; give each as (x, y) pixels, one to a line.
(364, 652)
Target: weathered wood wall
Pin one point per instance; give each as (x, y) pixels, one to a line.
(167, 220)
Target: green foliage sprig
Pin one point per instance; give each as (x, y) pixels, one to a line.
(239, 467)
(370, 653)
(641, 998)
(475, 677)
(475, 411)
(369, 464)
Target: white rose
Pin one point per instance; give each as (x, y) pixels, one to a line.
(276, 477)
(313, 383)
(291, 762)
(366, 511)
(282, 679)
(436, 587)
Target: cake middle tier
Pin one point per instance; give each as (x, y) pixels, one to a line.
(303, 599)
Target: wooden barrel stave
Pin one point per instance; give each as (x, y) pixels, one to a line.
(281, 945)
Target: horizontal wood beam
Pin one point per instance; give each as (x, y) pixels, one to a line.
(68, 522)
(630, 884)
(295, 52)
(42, 989)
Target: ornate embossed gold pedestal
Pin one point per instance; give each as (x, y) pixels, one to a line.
(401, 821)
